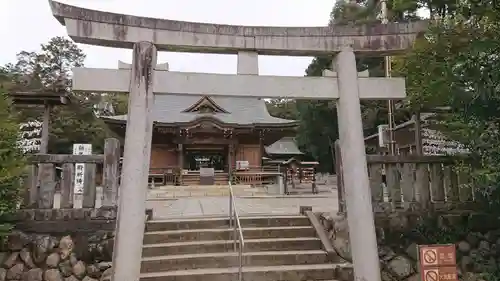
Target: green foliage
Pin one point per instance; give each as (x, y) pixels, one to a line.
(282, 108)
(457, 65)
(12, 163)
(50, 70)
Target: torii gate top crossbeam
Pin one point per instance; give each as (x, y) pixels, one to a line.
(118, 30)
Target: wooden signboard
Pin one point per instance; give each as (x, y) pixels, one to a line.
(207, 176)
(438, 262)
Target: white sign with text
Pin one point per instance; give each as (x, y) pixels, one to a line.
(80, 149)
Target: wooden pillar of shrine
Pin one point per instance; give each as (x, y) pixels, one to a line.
(230, 159)
(180, 161)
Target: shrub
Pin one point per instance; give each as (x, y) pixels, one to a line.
(12, 163)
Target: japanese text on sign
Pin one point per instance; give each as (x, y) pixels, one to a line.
(80, 149)
(438, 262)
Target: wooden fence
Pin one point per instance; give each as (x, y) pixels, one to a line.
(412, 182)
(41, 182)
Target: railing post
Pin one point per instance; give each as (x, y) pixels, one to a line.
(110, 171)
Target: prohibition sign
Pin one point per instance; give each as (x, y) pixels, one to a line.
(431, 275)
(430, 257)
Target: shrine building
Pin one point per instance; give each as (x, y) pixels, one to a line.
(223, 134)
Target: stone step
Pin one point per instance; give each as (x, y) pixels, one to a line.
(217, 246)
(205, 223)
(231, 259)
(156, 237)
(257, 273)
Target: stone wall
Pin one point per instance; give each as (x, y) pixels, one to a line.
(60, 245)
(477, 239)
(38, 257)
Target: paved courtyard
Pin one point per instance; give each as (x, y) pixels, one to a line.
(216, 206)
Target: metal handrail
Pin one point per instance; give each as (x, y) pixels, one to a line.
(237, 231)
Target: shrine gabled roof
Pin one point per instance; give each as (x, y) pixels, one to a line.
(171, 109)
(285, 145)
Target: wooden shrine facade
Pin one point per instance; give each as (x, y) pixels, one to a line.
(220, 134)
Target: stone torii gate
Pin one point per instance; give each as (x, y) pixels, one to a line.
(146, 36)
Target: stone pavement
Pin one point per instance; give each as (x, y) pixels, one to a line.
(217, 206)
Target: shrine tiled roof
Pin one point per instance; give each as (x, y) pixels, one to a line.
(285, 145)
(172, 109)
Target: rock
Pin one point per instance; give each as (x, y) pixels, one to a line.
(17, 240)
(72, 259)
(43, 245)
(71, 278)
(66, 246)
(11, 260)
(340, 226)
(489, 265)
(343, 248)
(386, 253)
(463, 247)
(79, 269)
(466, 263)
(93, 271)
(46, 243)
(412, 251)
(494, 250)
(52, 275)
(473, 239)
(3, 274)
(326, 221)
(474, 254)
(87, 278)
(53, 260)
(66, 268)
(470, 276)
(401, 266)
(385, 276)
(15, 272)
(25, 256)
(104, 265)
(492, 236)
(414, 277)
(34, 274)
(3, 256)
(398, 223)
(344, 273)
(106, 275)
(485, 245)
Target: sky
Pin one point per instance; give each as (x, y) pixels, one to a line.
(25, 24)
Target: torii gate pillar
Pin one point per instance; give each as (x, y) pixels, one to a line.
(355, 174)
(132, 196)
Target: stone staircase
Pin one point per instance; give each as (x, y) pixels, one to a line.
(193, 178)
(161, 192)
(279, 248)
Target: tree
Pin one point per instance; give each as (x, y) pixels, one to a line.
(50, 70)
(282, 108)
(457, 65)
(12, 163)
